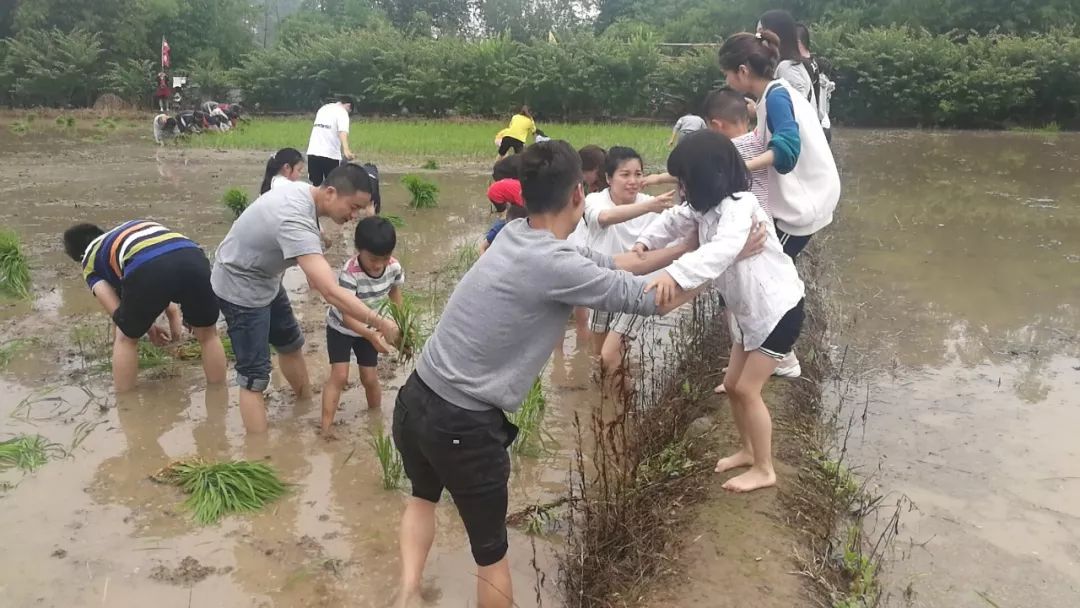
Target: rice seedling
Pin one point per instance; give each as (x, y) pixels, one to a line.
(235, 200)
(218, 489)
(430, 164)
(66, 122)
(28, 452)
(9, 349)
(19, 127)
(527, 419)
(395, 220)
(407, 318)
(393, 471)
(192, 350)
(14, 271)
(462, 260)
(445, 141)
(425, 193)
(151, 356)
(107, 124)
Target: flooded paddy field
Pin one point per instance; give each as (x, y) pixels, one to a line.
(958, 278)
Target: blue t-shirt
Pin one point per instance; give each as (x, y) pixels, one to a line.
(494, 231)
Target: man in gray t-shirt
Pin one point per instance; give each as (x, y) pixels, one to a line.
(281, 229)
(496, 333)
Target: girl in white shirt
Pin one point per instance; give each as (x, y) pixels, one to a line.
(763, 292)
(286, 165)
(613, 219)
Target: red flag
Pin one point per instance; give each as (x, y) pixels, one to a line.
(164, 53)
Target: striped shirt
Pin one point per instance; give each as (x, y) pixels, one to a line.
(372, 291)
(750, 146)
(118, 252)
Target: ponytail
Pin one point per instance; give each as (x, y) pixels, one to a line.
(758, 52)
(285, 157)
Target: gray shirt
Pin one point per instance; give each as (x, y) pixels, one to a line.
(269, 235)
(688, 124)
(509, 311)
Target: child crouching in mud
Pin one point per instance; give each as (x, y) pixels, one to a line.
(764, 292)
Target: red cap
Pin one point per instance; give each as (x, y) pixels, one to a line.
(506, 191)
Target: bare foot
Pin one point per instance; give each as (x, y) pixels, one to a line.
(742, 458)
(411, 599)
(328, 435)
(751, 480)
(720, 389)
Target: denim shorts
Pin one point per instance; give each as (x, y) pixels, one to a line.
(254, 330)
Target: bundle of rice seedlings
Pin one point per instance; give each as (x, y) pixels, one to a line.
(393, 471)
(235, 200)
(28, 452)
(407, 318)
(192, 350)
(425, 193)
(65, 121)
(14, 271)
(221, 488)
(151, 356)
(19, 127)
(395, 220)
(528, 418)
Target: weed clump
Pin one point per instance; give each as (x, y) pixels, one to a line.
(390, 465)
(28, 453)
(236, 201)
(14, 270)
(425, 193)
(221, 488)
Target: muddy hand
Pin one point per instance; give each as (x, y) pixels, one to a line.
(665, 287)
(381, 345)
(390, 332)
(158, 336)
(664, 201)
(755, 241)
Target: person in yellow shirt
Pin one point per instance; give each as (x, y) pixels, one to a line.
(513, 137)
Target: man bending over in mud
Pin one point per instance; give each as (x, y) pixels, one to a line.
(281, 229)
(139, 270)
(449, 423)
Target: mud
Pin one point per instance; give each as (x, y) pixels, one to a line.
(956, 262)
(958, 274)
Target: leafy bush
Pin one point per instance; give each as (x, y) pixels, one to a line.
(52, 68)
(131, 80)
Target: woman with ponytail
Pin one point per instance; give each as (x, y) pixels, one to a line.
(287, 164)
(762, 289)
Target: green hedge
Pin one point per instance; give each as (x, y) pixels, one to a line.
(886, 76)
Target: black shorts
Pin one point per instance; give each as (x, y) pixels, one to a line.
(793, 245)
(511, 143)
(339, 345)
(181, 276)
(319, 167)
(782, 339)
(445, 446)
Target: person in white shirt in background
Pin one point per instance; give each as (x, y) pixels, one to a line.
(287, 165)
(687, 124)
(613, 219)
(165, 127)
(763, 292)
(329, 140)
(791, 66)
(823, 85)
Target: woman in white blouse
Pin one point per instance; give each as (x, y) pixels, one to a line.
(763, 292)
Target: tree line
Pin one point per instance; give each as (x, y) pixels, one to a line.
(966, 63)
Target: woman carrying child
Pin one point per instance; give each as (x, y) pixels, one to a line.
(285, 166)
(763, 292)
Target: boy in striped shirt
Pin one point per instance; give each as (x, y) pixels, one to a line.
(139, 270)
(375, 276)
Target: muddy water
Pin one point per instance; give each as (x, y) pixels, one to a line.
(959, 272)
(93, 530)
